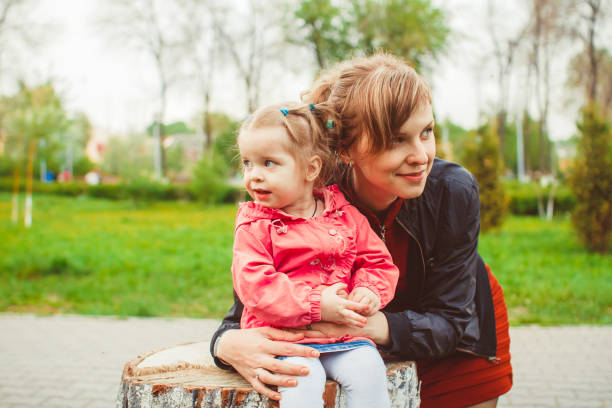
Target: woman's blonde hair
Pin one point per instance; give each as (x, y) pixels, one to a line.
(309, 127)
(373, 96)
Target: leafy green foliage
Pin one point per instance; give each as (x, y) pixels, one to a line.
(413, 29)
(321, 26)
(33, 115)
(591, 180)
(482, 158)
(335, 31)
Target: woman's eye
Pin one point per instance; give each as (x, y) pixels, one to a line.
(269, 163)
(428, 132)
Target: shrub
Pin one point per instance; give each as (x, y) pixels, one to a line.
(210, 181)
(591, 180)
(483, 159)
(523, 198)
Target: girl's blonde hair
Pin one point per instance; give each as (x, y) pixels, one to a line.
(310, 129)
(373, 96)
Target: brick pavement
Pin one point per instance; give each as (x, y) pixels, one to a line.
(76, 361)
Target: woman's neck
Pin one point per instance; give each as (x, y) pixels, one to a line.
(375, 200)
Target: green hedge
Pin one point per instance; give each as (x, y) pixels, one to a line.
(524, 198)
(137, 190)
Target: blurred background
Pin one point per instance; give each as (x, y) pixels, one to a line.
(118, 172)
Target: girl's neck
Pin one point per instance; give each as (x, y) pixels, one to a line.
(306, 208)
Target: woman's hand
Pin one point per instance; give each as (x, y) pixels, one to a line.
(377, 329)
(252, 353)
(366, 297)
(335, 307)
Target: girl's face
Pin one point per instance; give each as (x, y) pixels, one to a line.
(400, 171)
(272, 175)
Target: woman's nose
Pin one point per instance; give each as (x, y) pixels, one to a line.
(418, 154)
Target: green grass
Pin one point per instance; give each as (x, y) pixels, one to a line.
(547, 276)
(90, 256)
(117, 258)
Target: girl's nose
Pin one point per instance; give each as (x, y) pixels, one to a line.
(255, 174)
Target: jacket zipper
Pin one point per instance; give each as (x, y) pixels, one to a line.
(382, 233)
(400, 222)
(492, 359)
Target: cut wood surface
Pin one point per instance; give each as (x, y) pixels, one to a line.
(185, 376)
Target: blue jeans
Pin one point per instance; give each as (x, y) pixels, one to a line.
(360, 372)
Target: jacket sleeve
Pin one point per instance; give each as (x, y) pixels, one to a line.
(448, 301)
(230, 321)
(374, 268)
(268, 294)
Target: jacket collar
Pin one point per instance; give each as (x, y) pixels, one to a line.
(251, 211)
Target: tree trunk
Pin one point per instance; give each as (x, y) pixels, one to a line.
(15, 209)
(184, 377)
(29, 181)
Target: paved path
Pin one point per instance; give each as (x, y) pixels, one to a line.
(76, 361)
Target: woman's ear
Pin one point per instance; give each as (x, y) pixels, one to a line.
(313, 168)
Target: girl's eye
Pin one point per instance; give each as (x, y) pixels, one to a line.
(397, 140)
(269, 163)
(428, 132)
(247, 164)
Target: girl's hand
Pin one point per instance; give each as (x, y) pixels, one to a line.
(252, 353)
(377, 329)
(366, 297)
(337, 309)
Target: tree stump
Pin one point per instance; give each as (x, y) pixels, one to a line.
(185, 377)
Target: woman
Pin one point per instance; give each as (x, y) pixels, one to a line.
(448, 312)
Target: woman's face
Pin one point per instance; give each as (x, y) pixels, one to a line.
(400, 171)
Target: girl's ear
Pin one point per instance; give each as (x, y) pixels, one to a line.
(313, 168)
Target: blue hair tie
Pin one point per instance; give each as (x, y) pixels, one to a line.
(312, 107)
(330, 124)
(285, 111)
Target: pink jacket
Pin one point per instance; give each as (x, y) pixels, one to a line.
(279, 261)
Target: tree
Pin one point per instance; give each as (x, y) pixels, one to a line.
(545, 31)
(590, 12)
(413, 29)
(579, 78)
(35, 115)
(249, 43)
(323, 28)
(591, 180)
(482, 158)
(201, 43)
(148, 25)
(505, 49)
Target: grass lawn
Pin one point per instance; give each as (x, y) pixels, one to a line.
(172, 259)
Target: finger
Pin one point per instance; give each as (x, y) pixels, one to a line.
(350, 305)
(281, 335)
(260, 387)
(279, 380)
(289, 349)
(340, 289)
(353, 318)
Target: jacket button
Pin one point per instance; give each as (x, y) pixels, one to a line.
(332, 232)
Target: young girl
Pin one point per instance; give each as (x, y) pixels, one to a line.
(303, 254)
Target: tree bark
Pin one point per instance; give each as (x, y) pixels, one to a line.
(184, 377)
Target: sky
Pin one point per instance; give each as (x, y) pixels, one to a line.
(116, 86)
